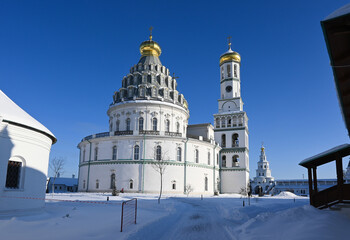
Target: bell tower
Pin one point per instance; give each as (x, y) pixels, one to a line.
(231, 126)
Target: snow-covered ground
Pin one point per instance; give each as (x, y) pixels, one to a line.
(177, 217)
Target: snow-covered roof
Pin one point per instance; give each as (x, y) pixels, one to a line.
(11, 112)
(69, 182)
(325, 154)
(339, 12)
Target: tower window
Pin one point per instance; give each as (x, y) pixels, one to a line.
(155, 123)
(223, 122)
(235, 71)
(96, 154)
(173, 185)
(235, 161)
(208, 158)
(128, 121)
(117, 125)
(177, 127)
(97, 184)
(131, 184)
(205, 184)
(217, 122)
(159, 153)
(196, 156)
(179, 150)
(228, 71)
(235, 142)
(112, 180)
(223, 140)
(114, 153)
(167, 125)
(223, 161)
(222, 72)
(141, 124)
(136, 152)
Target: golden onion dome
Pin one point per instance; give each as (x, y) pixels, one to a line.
(230, 56)
(150, 48)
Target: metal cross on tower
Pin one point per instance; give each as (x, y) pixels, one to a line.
(150, 35)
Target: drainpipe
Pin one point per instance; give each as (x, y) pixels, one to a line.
(185, 163)
(88, 176)
(220, 171)
(143, 163)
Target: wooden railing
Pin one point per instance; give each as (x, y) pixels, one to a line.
(331, 196)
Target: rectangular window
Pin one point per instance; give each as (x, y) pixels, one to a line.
(13, 174)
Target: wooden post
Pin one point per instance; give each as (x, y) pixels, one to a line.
(315, 178)
(309, 174)
(339, 166)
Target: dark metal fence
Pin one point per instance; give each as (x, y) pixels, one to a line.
(129, 213)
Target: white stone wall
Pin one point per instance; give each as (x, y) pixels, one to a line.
(32, 149)
(126, 168)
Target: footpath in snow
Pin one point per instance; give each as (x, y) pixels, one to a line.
(282, 217)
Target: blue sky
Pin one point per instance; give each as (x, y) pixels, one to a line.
(61, 61)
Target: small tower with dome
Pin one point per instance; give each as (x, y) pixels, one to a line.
(263, 179)
(231, 126)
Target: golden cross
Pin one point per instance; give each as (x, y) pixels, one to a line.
(229, 41)
(150, 35)
(174, 76)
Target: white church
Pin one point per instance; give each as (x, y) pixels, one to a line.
(25, 146)
(148, 125)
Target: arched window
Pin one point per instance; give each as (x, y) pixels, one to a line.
(235, 161)
(141, 124)
(114, 153)
(111, 127)
(178, 127)
(155, 123)
(217, 122)
(97, 184)
(136, 152)
(96, 153)
(173, 185)
(235, 71)
(234, 121)
(84, 184)
(84, 153)
(113, 181)
(205, 184)
(117, 125)
(208, 158)
(229, 122)
(222, 72)
(159, 153)
(167, 125)
(158, 78)
(166, 82)
(217, 159)
(196, 156)
(15, 173)
(223, 161)
(223, 140)
(179, 150)
(149, 79)
(131, 184)
(228, 70)
(235, 142)
(223, 122)
(128, 121)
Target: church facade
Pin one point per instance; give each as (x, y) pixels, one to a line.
(149, 133)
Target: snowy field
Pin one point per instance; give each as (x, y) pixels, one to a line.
(177, 217)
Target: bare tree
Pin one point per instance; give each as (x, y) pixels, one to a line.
(160, 166)
(188, 189)
(56, 166)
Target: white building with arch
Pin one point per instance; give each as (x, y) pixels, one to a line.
(25, 146)
(148, 123)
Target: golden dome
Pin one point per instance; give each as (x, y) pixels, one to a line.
(230, 56)
(150, 48)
